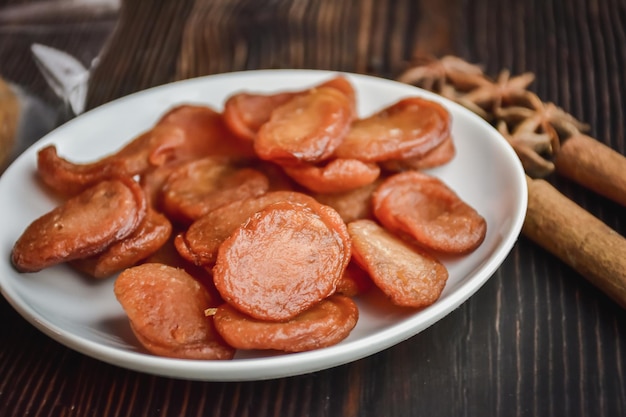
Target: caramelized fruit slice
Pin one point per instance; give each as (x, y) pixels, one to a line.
(408, 276)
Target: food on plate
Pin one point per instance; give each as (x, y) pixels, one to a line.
(255, 227)
(183, 133)
(168, 255)
(69, 178)
(407, 129)
(150, 236)
(438, 156)
(426, 209)
(198, 186)
(307, 128)
(165, 307)
(409, 276)
(246, 112)
(282, 261)
(82, 226)
(325, 324)
(335, 176)
(354, 281)
(351, 205)
(200, 242)
(342, 84)
(206, 133)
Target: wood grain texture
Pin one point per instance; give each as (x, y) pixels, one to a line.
(536, 340)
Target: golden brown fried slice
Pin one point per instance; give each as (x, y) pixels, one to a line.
(324, 324)
(279, 180)
(200, 242)
(83, 226)
(336, 176)
(425, 208)
(354, 281)
(283, 260)
(152, 233)
(168, 255)
(165, 307)
(307, 128)
(183, 133)
(149, 149)
(152, 182)
(197, 187)
(407, 129)
(351, 205)
(441, 155)
(245, 113)
(206, 133)
(342, 84)
(408, 276)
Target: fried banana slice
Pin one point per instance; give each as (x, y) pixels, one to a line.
(83, 226)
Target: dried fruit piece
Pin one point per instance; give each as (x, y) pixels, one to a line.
(351, 205)
(152, 182)
(83, 226)
(407, 129)
(278, 179)
(200, 242)
(245, 113)
(165, 307)
(441, 155)
(282, 261)
(168, 255)
(199, 186)
(152, 233)
(345, 86)
(407, 275)
(336, 176)
(354, 281)
(324, 324)
(307, 128)
(149, 149)
(425, 208)
(206, 133)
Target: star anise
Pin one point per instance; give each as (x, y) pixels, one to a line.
(540, 117)
(533, 128)
(533, 149)
(505, 90)
(438, 75)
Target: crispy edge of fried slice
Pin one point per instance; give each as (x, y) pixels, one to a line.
(307, 128)
(426, 209)
(149, 149)
(377, 138)
(72, 230)
(151, 234)
(199, 186)
(166, 310)
(324, 324)
(284, 259)
(200, 242)
(409, 276)
(335, 176)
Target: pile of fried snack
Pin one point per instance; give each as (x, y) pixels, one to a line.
(254, 227)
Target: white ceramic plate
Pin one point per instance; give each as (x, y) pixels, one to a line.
(84, 315)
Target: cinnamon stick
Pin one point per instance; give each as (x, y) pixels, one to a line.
(576, 237)
(594, 165)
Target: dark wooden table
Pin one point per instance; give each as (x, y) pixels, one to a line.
(536, 340)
